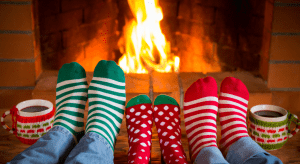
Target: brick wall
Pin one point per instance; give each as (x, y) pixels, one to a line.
(284, 59)
(232, 30)
(20, 60)
(73, 30)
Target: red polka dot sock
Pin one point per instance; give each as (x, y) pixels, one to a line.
(200, 112)
(139, 123)
(167, 122)
(233, 102)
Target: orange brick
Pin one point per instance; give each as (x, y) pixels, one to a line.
(9, 97)
(17, 74)
(137, 83)
(285, 47)
(286, 19)
(16, 46)
(165, 82)
(287, 1)
(288, 100)
(16, 17)
(38, 67)
(284, 76)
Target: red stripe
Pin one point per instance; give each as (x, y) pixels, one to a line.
(260, 139)
(49, 127)
(215, 103)
(234, 100)
(232, 106)
(285, 138)
(200, 112)
(40, 130)
(280, 130)
(261, 130)
(35, 119)
(200, 125)
(22, 131)
(30, 131)
(253, 137)
(280, 139)
(202, 131)
(270, 141)
(223, 114)
(271, 131)
(198, 119)
(252, 126)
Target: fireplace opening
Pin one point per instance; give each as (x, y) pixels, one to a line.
(207, 36)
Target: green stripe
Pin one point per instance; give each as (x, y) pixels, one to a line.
(71, 85)
(268, 124)
(108, 84)
(71, 113)
(19, 126)
(73, 105)
(265, 136)
(112, 147)
(26, 127)
(46, 124)
(284, 134)
(103, 116)
(83, 98)
(121, 102)
(36, 126)
(106, 111)
(64, 125)
(75, 123)
(35, 135)
(101, 129)
(121, 111)
(272, 146)
(80, 90)
(276, 135)
(255, 133)
(107, 91)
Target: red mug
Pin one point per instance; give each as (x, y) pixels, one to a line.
(31, 119)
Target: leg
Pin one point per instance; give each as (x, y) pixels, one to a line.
(92, 148)
(200, 112)
(167, 121)
(106, 101)
(71, 95)
(210, 155)
(139, 128)
(247, 151)
(53, 147)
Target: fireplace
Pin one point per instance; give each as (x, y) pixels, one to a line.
(248, 35)
(208, 36)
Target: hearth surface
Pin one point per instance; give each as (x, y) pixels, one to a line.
(171, 84)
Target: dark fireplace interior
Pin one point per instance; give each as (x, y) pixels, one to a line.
(205, 34)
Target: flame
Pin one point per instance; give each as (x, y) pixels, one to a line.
(145, 45)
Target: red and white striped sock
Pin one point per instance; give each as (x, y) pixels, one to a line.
(200, 112)
(167, 122)
(139, 123)
(233, 102)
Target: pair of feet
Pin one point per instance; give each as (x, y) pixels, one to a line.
(106, 95)
(140, 117)
(201, 105)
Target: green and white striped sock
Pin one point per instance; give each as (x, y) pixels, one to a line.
(71, 97)
(106, 101)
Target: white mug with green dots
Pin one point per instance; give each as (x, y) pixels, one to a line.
(31, 119)
(270, 126)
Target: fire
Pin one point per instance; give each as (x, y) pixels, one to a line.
(145, 46)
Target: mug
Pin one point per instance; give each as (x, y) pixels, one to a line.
(31, 119)
(270, 126)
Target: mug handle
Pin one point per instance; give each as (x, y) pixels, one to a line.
(13, 112)
(293, 118)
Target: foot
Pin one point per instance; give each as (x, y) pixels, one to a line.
(200, 112)
(106, 101)
(71, 96)
(167, 121)
(139, 123)
(233, 103)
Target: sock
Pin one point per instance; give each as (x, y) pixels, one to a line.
(106, 101)
(71, 96)
(139, 123)
(200, 113)
(167, 122)
(233, 102)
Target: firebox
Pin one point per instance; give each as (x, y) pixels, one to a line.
(206, 36)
